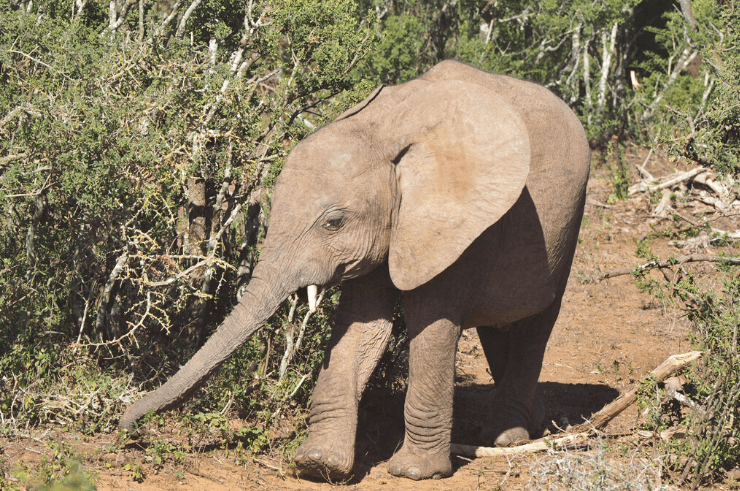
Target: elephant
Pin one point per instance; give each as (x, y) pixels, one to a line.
(460, 192)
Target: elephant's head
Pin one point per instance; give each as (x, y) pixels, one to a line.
(412, 175)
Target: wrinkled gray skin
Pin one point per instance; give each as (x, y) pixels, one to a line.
(462, 191)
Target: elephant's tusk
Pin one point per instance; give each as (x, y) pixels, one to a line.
(312, 292)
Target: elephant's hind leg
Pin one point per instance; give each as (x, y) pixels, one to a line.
(515, 355)
(359, 338)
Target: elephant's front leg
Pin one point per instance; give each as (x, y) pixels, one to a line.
(359, 338)
(428, 410)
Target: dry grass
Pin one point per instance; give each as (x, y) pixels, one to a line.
(598, 469)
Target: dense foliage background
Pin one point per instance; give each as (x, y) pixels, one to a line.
(140, 139)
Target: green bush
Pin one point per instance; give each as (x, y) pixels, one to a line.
(136, 159)
(708, 417)
(696, 116)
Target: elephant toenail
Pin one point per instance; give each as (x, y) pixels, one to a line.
(314, 454)
(333, 461)
(394, 470)
(413, 473)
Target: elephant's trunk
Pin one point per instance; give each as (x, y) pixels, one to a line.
(261, 299)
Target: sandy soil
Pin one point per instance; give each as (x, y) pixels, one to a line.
(608, 336)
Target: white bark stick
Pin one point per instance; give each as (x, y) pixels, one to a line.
(572, 81)
(642, 187)
(586, 73)
(606, 57)
(541, 445)
(185, 17)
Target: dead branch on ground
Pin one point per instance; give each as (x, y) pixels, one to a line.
(585, 431)
(719, 195)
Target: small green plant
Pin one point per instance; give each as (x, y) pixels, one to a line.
(135, 470)
(74, 480)
(614, 155)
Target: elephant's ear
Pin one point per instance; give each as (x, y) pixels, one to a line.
(463, 159)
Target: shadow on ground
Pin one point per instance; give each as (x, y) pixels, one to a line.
(381, 430)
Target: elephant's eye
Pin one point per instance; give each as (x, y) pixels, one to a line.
(333, 223)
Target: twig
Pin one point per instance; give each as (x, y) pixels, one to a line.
(39, 62)
(82, 323)
(641, 168)
(11, 157)
(297, 387)
(666, 264)
(13, 112)
(592, 201)
(265, 464)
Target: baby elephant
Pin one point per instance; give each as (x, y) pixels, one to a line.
(461, 190)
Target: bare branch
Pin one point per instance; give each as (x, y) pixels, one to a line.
(39, 62)
(687, 56)
(186, 17)
(112, 278)
(116, 22)
(599, 420)
(587, 73)
(291, 348)
(643, 186)
(667, 264)
(141, 20)
(673, 364)
(688, 14)
(11, 157)
(169, 18)
(540, 445)
(606, 57)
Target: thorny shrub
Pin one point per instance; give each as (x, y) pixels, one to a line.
(709, 415)
(137, 154)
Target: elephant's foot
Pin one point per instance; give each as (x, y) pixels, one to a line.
(511, 425)
(505, 430)
(416, 466)
(512, 436)
(325, 460)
